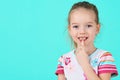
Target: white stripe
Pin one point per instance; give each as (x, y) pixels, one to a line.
(106, 58)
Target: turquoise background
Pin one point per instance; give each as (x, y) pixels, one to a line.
(33, 35)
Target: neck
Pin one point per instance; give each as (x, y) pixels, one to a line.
(90, 49)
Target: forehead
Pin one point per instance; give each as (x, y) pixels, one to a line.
(82, 15)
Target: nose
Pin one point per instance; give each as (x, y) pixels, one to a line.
(81, 31)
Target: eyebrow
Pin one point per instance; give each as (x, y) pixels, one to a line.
(74, 23)
(89, 22)
(78, 23)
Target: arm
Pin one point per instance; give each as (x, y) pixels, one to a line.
(83, 60)
(60, 70)
(105, 76)
(61, 77)
(90, 74)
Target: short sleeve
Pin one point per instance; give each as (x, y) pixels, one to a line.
(60, 68)
(107, 65)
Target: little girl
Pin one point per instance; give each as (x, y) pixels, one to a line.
(85, 62)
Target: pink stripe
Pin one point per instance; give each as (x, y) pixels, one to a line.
(108, 68)
(107, 54)
(59, 72)
(59, 66)
(108, 71)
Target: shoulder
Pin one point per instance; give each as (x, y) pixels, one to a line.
(98, 53)
(68, 54)
(105, 56)
(102, 52)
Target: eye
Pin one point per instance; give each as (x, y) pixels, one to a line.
(89, 26)
(75, 26)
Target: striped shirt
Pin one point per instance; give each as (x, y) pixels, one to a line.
(100, 60)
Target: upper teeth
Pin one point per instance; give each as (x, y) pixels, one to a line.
(82, 38)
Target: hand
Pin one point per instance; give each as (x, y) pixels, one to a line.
(81, 54)
(80, 47)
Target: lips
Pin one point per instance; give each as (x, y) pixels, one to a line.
(82, 38)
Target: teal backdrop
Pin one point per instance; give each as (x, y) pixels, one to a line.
(33, 35)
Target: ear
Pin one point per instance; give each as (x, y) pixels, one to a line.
(98, 28)
(69, 30)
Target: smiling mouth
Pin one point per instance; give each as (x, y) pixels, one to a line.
(82, 38)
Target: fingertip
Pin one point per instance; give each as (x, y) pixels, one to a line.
(82, 42)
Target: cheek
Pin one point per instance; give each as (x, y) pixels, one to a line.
(72, 33)
(93, 36)
(94, 32)
(73, 36)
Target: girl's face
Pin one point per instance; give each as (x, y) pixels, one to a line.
(83, 26)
